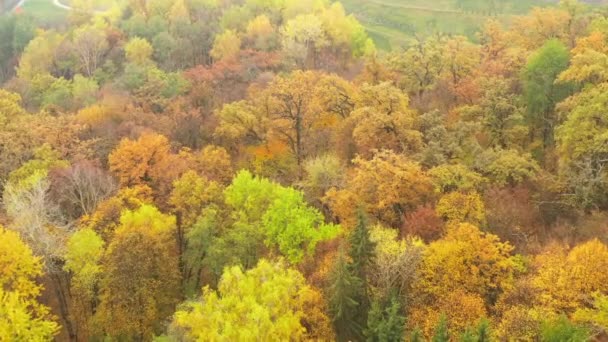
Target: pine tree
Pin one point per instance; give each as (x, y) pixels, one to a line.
(362, 254)
(480, 334)
(441, 331)
(343, 305)
(385, 322)
(361, 246)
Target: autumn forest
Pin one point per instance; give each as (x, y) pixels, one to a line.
(262, 170)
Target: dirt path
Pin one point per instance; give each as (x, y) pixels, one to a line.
(19, 4)
(60, 5)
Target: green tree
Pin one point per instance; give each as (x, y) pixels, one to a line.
(441, 331)
(345, 288)
(138, 51)
(362, 253)
(562, 330)
(416, 336)
(361, 247)
(385, 321)
(581, 144)
(541, 91)
(294, 227)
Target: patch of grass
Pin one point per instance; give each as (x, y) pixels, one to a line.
(45, 13)
(392, 22)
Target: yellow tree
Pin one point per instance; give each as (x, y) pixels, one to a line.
(297, 111)
(467, 266)
(106, 217)
(138, 51)
(10, 106)
(134, 162)
(468, 259)
(458, 207)
(568, 280)
(39, 55)
(140, 283)
(388, 186)
(191, 194)
(149, 161)
(82, 259)
(226, 45)
(269, 302)
(22, 318)
(382, 119)
(261, 34)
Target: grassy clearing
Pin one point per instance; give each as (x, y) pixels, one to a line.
(45, 13)
(392, 22)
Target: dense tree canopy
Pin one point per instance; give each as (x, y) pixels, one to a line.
(259, 170)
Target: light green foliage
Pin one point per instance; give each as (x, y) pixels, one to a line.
(294, 227)
(596, 316)
(149, 217)
(39, 55)
(287, 222)
(84, 91)
(562, 330)
(58, 94)
(585, 131)
(345, 30)
(45, 159)
(83, 255)
(508, 167)
(138, 51)
(249, 196)
(235, 18)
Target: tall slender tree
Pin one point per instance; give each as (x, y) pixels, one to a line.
(345, 288)
(441, 331)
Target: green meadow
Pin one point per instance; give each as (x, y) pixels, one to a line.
(393, 22)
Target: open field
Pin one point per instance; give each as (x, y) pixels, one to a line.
(45, 12)
(392, 22)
